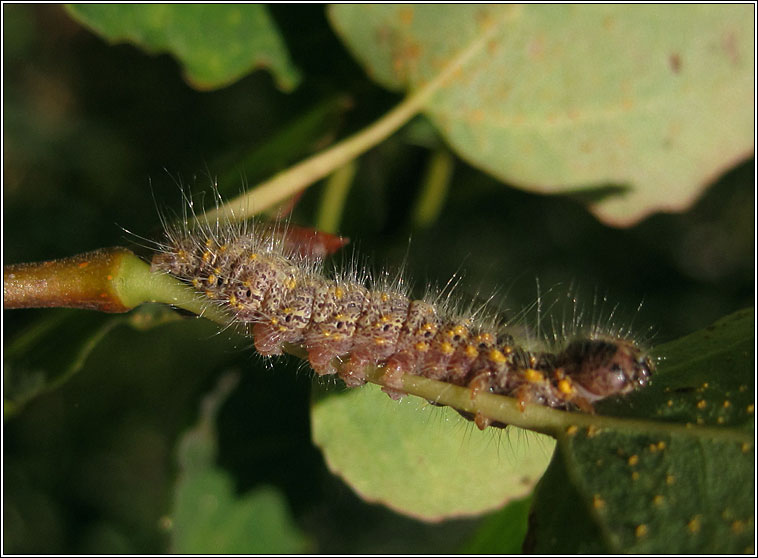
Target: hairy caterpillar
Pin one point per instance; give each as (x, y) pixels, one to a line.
(351, 320)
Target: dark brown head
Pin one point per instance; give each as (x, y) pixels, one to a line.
(605, 367)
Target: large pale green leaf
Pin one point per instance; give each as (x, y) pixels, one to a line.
(677, 478)
(653, 100)
(424, 461)
(208, 516)
(216, 44)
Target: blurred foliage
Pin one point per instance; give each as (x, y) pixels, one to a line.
(88, 131)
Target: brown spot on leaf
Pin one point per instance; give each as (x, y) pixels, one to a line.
(675, 62)
(729, 43)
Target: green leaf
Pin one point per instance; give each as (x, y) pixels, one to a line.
(208, 516)
(654, 101)
(217, 44)
(501, 533)
(53, 349)
(49, 352)
(680, 476)
(424, 461)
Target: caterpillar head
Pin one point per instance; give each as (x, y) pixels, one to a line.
(602, 368)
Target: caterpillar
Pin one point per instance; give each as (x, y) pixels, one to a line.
(350, 320)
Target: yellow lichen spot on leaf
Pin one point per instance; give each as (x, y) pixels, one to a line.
(597, 502)
(693, 526)
(405, 15)
(640, 531)
(658, 500)
(572, 430)
(633, 460)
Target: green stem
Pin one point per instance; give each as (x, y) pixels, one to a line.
(108, 280)
(286, 183)
(334, 197)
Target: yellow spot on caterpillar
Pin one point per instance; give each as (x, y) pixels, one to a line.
(507, 349)
(384, 297)
(460, 331)
(206, 256)
(211, 279)
(428, 327)
(274, 320)
(572, 430)
(670, 479)
(210, 294)
(694, 524)
(533, 376)
(197, 283)
(290, 283)
(247, 284)
(496, 356)
(633, 460)
(484, 338)
(566, 387)
(658, 500)
(209, 243)
(384, 319)
(253, 257)
(421, 346)
(701, 404)
(232, 300)
(339, 293)
(282, 328)
(640, 531)
(223, 247)
(446, 348)
(471, 351)
(379, 341)
(597, 502)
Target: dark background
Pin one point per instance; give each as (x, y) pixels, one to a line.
(95, 136)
